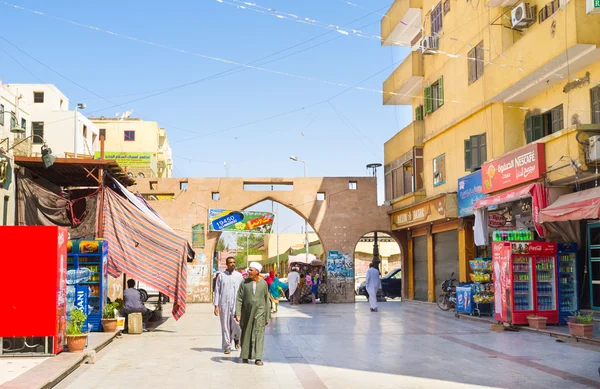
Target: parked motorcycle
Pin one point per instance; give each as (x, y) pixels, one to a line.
(447, 299)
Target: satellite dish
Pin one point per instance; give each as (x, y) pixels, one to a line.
(118, 114)
(127, 114)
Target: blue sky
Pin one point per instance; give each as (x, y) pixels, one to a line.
(111, 66)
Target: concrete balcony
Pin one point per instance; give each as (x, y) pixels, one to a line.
(161, 158)
(404, 141)
(543, 62)
(402, 23)
(405, 82)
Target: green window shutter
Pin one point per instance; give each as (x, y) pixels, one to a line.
(441, 91)
(427, 98)
(419, 113)
(528, 130)
(537, 127)
(467, 154)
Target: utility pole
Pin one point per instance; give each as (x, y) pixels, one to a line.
(376, 260)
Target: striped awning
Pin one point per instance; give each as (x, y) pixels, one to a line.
(145, 249)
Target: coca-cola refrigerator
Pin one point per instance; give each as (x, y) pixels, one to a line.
(525, 281)
(33, 280)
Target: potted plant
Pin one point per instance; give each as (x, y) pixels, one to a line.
(537, 322)
(76, 339)
(109, 321)
(581, 325)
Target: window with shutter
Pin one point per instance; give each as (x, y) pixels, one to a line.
(440, 91)
(557, 119)
(439, 170)
(467, 154)
(595, 100)
(427, 100)
(482, 149)
(475, 152)
(475, 62)
(537, 126)
(479, 63)
(528, 129)
(419, 113)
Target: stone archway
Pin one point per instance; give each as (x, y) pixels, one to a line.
(340, 210)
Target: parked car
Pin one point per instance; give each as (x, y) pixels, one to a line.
(358, 280)
(391, 285)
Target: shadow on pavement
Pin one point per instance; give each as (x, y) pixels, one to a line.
(207, 349)
(226, 359)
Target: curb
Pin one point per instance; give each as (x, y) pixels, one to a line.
(590, 341)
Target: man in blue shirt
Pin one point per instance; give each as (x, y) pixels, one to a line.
(132, 302)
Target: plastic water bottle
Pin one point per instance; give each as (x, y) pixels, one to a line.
(70, 294)
(78, 276)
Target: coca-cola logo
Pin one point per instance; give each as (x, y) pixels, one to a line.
(497, 247)
(536, 248)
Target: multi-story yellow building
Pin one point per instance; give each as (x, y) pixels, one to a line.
(140, 147)
(484, 79)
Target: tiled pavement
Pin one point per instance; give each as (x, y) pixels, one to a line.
(344, 346)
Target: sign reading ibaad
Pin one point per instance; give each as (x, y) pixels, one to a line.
(525, 164)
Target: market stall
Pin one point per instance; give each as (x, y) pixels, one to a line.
(317, 267)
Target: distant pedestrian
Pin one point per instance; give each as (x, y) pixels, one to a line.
(253, 313)
(293, 282)
(269, 279)
(373, 285)
(226, 289)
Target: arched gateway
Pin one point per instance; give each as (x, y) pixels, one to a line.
(341, 210)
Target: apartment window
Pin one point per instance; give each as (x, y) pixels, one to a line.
(13, 120)
(548, 10)
(129, 136)
(38, 129)
(216, 196)
(85, 131)
(183, 185)
(446, 6)
(595, 100)
(475, 152)
(434, 96)
(94, 138)
(352, 185)
(153, 185)
(38, 97)
(436, 19)
(419, 113)
(23, 124)
(1, 115)
(102, 133)
(539, 126)
(404, 175)
(321, 196)
(475, 61)
(439, 170)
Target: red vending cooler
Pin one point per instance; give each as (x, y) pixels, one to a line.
(33, 281)
(525, 281)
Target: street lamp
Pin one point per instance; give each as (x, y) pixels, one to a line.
(296, 159)
(47, 156)
(78, 106)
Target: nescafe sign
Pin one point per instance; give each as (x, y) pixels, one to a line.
(495, 220)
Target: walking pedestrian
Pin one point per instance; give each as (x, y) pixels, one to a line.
(373, 285)
(226, 289)
(253, 313)
(293, 282)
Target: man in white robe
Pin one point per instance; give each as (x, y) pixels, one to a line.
(293, 282)
(226, 290)
(373, 285)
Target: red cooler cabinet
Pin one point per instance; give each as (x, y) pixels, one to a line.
(525, 281)
(33, 281)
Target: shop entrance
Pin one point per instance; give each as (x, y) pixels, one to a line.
(446, 257)
(420, 262)
(593, 233)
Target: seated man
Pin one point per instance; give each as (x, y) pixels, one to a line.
(133, 302)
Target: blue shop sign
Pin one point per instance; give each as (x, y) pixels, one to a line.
(469, 191)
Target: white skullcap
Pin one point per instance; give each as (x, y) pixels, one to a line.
(256, 266)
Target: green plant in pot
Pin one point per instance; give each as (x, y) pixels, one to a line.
(76, 339)
(109, 320)
(581, 325)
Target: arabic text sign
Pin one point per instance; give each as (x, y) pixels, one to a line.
(248, 221)
(526, 164)
(140, 160)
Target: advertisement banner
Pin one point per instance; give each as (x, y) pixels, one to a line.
(525, 164)
(236, 221)
(469, 191)
(198, 235)
(438, 208)
(140, 160)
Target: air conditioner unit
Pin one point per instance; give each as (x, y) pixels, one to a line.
(522, 16)
(594, 148)
(429, 44)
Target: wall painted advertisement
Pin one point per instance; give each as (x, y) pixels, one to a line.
(236, 221)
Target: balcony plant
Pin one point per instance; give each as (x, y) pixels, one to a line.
(109, 320)
(537, 322)
(76, 339)
(581, 325)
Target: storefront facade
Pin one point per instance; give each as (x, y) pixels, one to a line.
(434, 243)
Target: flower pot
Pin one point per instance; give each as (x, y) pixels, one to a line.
(76, 343)
(577, 329)
(537, 322)
(109, 325)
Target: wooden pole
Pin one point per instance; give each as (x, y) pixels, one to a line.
(100, 177)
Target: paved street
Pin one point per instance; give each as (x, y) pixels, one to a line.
(405, 345)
